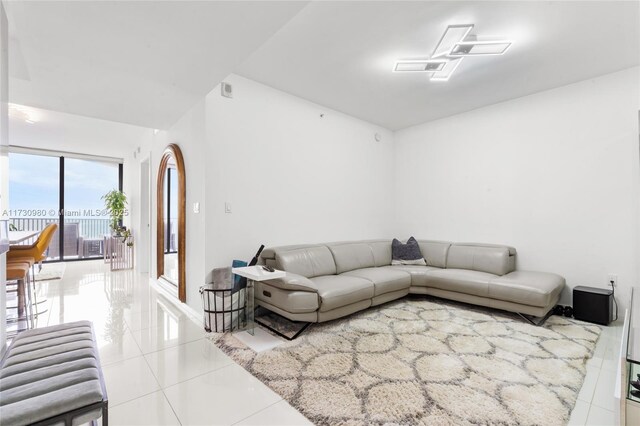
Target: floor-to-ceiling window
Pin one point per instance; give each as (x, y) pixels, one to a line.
(66, 190)
(85, 182)
(34, 193)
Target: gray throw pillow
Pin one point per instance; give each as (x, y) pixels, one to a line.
(406, 254)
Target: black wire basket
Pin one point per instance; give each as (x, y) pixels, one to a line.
(224, 304)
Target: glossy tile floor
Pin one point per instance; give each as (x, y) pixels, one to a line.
(161, 370)
(596, 404)
(159, 367)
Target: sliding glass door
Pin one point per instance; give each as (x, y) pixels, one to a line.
(67, 191)
(34, 195)
(85, 182)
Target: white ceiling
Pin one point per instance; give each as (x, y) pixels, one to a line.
(341, 54)
(61, 132)
(147, 63)
(143, 63)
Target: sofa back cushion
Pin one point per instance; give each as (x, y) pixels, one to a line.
(350, 256)
(435, 252)
(493, 259)
(314, 260)
(309, 262)
(268, 255)
(381, 252)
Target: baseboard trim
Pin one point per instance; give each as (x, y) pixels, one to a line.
(160, 286)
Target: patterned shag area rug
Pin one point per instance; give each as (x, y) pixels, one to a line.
(427, 362)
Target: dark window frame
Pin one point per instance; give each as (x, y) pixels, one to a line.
(61, 211)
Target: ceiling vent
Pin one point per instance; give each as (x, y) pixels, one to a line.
(226, 90)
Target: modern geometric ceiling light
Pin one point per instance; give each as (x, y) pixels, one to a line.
(447, 71)
(420, 66)
(455, 44)
(470, 48)
(452, 35)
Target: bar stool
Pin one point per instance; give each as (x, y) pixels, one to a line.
(32, 262)
(24, 263)
(13, 287)
(19, 272)
(37, 250)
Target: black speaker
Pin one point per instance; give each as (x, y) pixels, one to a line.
(593, 304)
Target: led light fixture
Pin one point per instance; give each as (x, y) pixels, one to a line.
(452, 35)
(470, 48)
(420, 66)
(455, 44)
(446, 72)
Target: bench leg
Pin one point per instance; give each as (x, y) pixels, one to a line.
(538, 323)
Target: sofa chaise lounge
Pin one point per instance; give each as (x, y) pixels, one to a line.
(328, 281)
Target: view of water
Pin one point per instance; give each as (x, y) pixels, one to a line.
(34, 200)
(34, 186)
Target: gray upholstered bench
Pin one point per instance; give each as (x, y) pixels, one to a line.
(52, 375)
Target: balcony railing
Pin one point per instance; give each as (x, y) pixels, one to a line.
(89, 228)
(82, 236)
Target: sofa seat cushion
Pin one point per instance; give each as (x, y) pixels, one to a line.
(418, 273)
(540, 289)
(293, 301)
(336, 291)
(460, 280)
(385, 279)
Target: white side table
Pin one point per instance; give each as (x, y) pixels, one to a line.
(253, 274)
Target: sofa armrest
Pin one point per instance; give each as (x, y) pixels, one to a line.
(293, 282)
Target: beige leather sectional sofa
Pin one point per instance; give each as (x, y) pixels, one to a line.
(328, 281)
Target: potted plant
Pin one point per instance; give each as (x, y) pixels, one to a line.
(115, 202)
(126, 235)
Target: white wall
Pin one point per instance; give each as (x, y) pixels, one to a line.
(189, 134)
(290, 175)
(554, 174)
